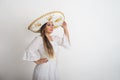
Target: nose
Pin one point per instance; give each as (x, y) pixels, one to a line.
(52, 25)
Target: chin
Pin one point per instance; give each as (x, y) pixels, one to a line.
(50, 32)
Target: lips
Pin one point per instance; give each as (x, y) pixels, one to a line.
(51, 29)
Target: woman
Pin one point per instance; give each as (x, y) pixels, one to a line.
(43, 51)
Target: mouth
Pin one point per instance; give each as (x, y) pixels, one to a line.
(51, 30)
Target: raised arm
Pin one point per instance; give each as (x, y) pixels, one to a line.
(66, 32)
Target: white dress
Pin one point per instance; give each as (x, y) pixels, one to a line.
(35, 51)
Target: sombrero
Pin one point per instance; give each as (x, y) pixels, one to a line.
(57, 17)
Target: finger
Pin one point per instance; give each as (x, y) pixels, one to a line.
(43, 58)
(46, 61)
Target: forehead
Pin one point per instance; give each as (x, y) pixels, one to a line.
(50, 22)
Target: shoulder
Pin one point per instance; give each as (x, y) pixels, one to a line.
(37, 38)
(53, 36)
(56, 37)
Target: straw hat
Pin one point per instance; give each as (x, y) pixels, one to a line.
(57, 17)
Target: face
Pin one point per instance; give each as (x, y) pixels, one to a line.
(49, 27)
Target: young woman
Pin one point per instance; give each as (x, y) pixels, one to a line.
(43, 51)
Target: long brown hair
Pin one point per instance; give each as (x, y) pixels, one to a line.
(47, 45)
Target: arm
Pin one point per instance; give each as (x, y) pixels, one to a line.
(63, 41)
(64, 26)
(31, 52)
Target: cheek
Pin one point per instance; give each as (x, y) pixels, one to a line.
(49, 29)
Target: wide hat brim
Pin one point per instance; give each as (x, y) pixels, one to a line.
(57, 17)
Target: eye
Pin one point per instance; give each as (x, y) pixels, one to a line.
(52, 25)
(48, 24)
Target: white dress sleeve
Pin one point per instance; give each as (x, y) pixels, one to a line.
(63, 41)
(31, 52)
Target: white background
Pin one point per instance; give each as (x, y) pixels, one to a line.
(94, 27)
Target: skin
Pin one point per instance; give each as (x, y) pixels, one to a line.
(48, 30)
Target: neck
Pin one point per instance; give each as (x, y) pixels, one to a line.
(48, 36)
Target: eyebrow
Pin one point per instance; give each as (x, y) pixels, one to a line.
(49, 23)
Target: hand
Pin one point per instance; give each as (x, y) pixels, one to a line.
(64, 25)
(42, 60)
